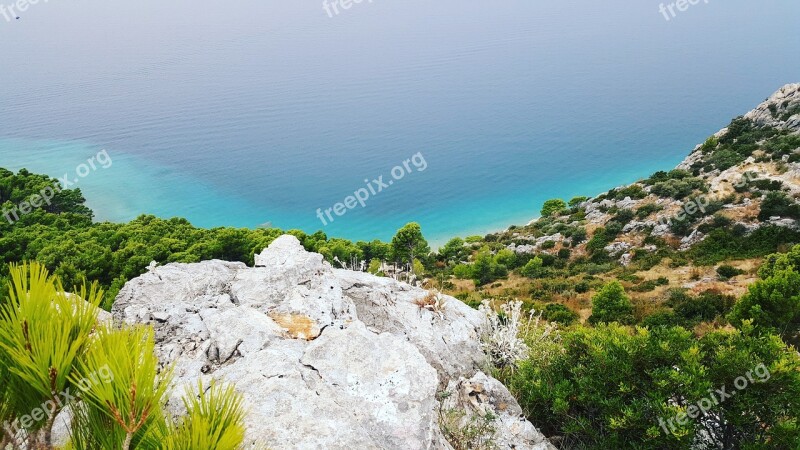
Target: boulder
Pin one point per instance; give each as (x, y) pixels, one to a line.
(324, 357)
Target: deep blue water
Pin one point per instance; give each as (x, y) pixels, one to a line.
(260, 111)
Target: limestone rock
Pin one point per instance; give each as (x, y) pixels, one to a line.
(483, 399)
(325, 358)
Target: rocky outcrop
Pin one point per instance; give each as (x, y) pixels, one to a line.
(325, 358)
(781, 109)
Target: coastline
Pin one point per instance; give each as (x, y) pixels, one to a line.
(132, 188)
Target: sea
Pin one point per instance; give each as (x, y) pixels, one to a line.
(356, 118)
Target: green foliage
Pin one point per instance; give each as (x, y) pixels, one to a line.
(553, 206)
(20, 187)
(374, 267)
(601, 238)
(677, 188)
(726, 272)
(462, 271)
(558, 313)
(120, 412)
(645, 210)
(778, 204)
(784, 145)
(622, 388)
(633, 191)
(43, 334)
(507, 258)
(454, 251)
(726, 244)
(724, 159)
(611, 304)
(533, 268)
(575, 201)
(650, 285)
(409, 243)
(486, 269)
(710, 144)
(213, 421)
(690, 310)
(663, 318)
(63, 238)
(54, 355)
(772, 304)
(778, 262)
(578, 236)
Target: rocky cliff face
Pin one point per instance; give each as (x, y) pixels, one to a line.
(326, 358)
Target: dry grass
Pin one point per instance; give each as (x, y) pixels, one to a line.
(426, 302)
(434, 302)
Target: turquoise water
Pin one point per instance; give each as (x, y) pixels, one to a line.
(266, 111)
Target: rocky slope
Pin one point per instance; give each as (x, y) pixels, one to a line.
(727, 174)
(325, 358)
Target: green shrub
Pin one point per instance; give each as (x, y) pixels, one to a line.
(613, 387)
(706, 307)
(534, 268)
(610, 304)
(646, 210)
(772, 304)
(575, 201)
(552, 207)
(558, 313)
(732, 243)
(726, 272)
(778, 204)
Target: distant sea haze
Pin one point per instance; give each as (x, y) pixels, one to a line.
(271, 111)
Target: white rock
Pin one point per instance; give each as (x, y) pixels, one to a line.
(325, 358)
(616, 248)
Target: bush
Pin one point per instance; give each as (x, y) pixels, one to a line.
(610, 304)
(533, 269)
(726, 272)
(613, 387)
(552, 207)
(706, 307)
(772, 304)
(778, 204)
(486, 269)
(558, 313)
(578, 236)
(575, 201)
(646, 210)
(729, 244)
